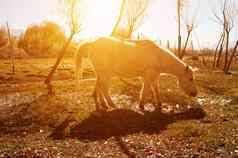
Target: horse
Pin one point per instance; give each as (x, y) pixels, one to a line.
(125, 58)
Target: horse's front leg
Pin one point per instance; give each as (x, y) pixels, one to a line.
(145, 91)
(156, 94)
(143, 94)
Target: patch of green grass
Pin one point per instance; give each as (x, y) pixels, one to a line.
(188, 128)
(193, 130)
(221, 135)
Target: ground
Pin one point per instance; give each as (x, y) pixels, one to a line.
(33, 124)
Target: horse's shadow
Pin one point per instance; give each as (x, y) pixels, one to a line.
(123, 122)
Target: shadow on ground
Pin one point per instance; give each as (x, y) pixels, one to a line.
(123, 122)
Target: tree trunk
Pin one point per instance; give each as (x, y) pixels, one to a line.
(60, 56)
(185, 46)
(220, 52)
(11, 47)
(179, 27)
(215, 54)
(231, 58)
(168, 44)
(227, 50)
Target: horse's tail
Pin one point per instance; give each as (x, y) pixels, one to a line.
(80, 54)
(78, 65)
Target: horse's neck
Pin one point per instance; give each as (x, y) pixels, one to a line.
(172, 65)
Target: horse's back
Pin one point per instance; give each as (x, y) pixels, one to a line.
(127, 58)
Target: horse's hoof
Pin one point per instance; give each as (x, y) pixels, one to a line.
(158, 110)
(158, 107)
(142, 108)
(141, 112)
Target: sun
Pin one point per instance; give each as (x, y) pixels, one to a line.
(101, 17)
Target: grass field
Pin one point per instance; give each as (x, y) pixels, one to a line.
(33, 124)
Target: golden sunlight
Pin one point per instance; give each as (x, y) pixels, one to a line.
(118, 78)
(101, 17)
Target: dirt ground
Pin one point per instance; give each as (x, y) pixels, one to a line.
(35, 125)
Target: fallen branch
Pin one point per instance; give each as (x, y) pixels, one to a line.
(124, 147)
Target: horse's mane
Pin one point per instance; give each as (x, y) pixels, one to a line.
(168, 52)
(171, 54)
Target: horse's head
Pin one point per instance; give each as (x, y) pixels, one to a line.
(186, 81)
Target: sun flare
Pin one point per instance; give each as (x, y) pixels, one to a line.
(101, 17)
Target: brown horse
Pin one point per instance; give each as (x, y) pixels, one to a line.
(132, 59)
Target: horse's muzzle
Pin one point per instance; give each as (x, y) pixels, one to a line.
(193, 94)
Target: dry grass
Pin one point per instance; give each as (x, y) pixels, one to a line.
(29, 120)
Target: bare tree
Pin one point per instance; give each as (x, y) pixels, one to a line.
(179, 8)
(216, 55)
(75, 27)
(134, 15)
(116, 27)
(231, 58)
(189, 20)
(11, 47)
(219, 57)
(131, 15)
(226, 19)
(228, 25)
(190, 28)
(168, 44)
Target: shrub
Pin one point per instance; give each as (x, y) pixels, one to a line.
(44, 40)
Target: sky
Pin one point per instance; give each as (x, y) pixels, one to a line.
(99, 18)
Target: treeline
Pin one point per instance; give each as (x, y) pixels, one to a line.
(43, 40)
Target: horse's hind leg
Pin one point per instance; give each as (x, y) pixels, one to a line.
(156, 95)
(95, 96)
(98, 94)
(104, 81)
